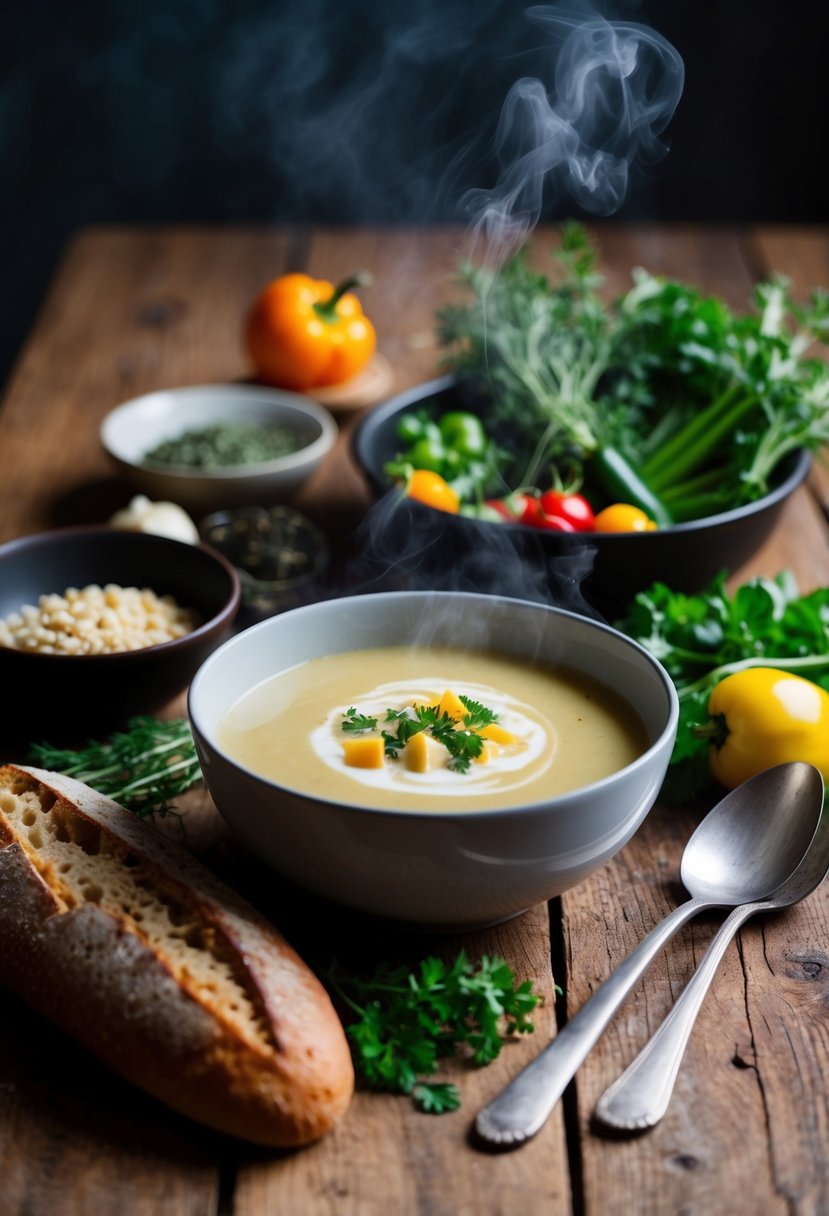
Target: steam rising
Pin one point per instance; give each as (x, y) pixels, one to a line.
(613, 89)
(406, 546)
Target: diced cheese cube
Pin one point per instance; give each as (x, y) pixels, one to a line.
(497, 734)
(364, 753)
(416, 753)
(452, 705)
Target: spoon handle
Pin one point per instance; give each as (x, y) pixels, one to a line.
(640, 1096)
(522, 1108)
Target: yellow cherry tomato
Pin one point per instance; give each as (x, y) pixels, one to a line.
(430, 488)
(623, 517)
(765, 717)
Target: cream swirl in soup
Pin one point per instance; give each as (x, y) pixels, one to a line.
(529, 742)
(552, 729)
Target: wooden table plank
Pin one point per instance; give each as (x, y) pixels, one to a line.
(75, 1139)
(135, 310)
(131, 311)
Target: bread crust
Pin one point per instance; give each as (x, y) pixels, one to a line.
(220, 1018)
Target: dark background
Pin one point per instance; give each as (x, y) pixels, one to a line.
(360, 110)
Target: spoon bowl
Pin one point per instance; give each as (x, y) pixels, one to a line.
(747, 846)
(642, 1094)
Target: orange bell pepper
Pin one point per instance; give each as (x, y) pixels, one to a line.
(303, 333)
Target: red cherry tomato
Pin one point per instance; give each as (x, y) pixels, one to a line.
(554, 523)
(531, 513)
(502, 506)
(534, 516)
(573, 508)
(512, 507)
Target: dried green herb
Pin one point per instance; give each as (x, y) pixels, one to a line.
(223, 445)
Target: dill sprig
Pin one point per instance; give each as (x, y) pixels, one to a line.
(143, 767)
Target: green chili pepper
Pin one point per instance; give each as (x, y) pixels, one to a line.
(623, 484)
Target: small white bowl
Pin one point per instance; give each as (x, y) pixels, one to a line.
(445, 868)
(134, 428)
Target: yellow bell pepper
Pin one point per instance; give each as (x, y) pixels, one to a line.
(764, 716)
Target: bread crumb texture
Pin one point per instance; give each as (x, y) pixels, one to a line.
(184, 963)
(86, 866)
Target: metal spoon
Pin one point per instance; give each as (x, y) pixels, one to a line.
(641, 1095)
(744, 849)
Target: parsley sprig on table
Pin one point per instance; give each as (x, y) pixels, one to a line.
(701, 639)
(143, 767)
(462, 741)
(407, 1021)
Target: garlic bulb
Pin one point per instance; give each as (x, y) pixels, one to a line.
(160, 518)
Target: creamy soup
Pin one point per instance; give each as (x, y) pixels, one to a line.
(550, 731)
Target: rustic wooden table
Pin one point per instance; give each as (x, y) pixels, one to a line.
(138, 309)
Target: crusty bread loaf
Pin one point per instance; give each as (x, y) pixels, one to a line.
(130, 945)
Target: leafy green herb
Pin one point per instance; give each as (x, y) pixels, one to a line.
(408, 724)
(436, 1097)
(662, 393)
(407, 1021)
(144, 768)
(700, 639)
(354, 722)
(464, 746)
(477, 715)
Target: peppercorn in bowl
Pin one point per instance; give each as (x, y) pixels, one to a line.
(97, 625)
(207, 447)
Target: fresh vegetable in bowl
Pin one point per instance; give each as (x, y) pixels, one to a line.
(451, 464)
(663, 399)
(455, 447)
(303, 333)
(723, 652)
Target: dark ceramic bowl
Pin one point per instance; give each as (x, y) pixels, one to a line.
(68, 697)
(596, 571)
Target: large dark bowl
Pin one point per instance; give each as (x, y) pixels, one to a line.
(593, 572)
(67, 697)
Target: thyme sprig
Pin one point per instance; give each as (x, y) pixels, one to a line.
(143, 767)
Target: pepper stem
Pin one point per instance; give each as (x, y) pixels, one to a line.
(715, 730)
(327, 309)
